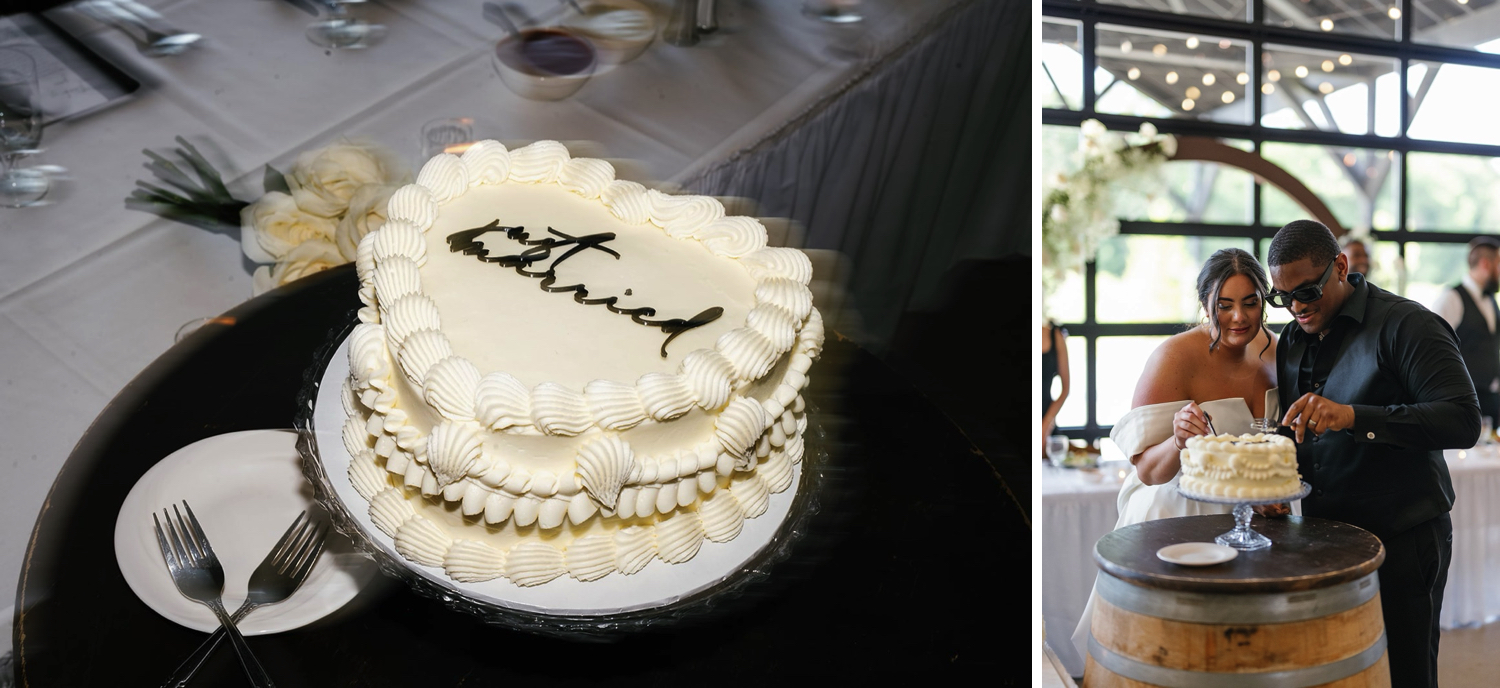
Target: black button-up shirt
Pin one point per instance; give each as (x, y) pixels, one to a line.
(1398, 365)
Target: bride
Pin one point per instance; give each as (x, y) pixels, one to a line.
(1221, 373)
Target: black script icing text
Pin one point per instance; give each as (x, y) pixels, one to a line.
(467, 241)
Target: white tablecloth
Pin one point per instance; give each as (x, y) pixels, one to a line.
(1077, 512)
(91, 292)
(1078, 508)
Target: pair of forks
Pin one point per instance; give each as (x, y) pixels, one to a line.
(198, 575)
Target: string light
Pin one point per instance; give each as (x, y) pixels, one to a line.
(1224, 44)
(1327, 65)
(1187, 104)
(1228, 97)
(1267, 89)
(1125, 46)
(1463, 2)
(1346, 59)
(1171, 77)
(1159, 49)
(1192, 42)
(1193, 92)
(1348, 160)
(1301, 71)
(1394, 13)
(1325, 88)
(1326, 25)
(1134, 73)
(1273, 75)
(1242, 78)
(1208, 79)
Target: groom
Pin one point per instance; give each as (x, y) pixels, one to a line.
(1374, 389)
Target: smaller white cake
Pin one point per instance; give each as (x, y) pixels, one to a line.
(1240, 467)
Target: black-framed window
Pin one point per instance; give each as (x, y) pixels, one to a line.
(1316, 87)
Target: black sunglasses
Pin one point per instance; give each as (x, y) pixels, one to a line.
(1307, 294)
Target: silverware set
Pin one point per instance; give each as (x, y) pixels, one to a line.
(199, 576)
(153, 36)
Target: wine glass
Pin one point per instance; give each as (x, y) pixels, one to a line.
(338, 30)
(834, 11)
(20, 129)
(1057, 449)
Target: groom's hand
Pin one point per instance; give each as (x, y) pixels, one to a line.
(1317, 414)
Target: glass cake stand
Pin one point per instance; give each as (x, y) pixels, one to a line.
(738, 589)
(1242, 537)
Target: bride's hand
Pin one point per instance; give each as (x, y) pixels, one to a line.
(1188, 423)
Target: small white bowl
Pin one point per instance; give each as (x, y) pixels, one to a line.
(545, 64)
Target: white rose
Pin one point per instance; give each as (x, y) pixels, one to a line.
(1148, 130)
(307, 258)
(366, 214)
(324, 180)
(272, 226)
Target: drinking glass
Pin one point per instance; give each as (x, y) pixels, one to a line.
(446, 135)
(339, 30)
(1486, 431)
(834, 11)
(1057, 448)
(20, 129)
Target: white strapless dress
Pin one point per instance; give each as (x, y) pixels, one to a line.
(1138, 502)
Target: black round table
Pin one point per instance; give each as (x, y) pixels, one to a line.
(918, 559)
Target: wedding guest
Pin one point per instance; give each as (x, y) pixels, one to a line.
(1054, 365)
(1358, 253)
(1374, 389)
(1470, 308)
(1219, 374)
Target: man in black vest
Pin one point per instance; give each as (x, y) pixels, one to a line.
(1374, 389)
(1470, 308)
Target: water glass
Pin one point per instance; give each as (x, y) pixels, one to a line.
(20, 129)
(1057, 448)
(447, 135)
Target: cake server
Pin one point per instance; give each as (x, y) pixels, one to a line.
(279, 575)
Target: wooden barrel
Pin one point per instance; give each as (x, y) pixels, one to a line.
(1303, 612)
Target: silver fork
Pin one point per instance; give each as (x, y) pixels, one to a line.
(279, 575)
(199, 577)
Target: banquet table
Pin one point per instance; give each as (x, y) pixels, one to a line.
(92, 292)
(882, 578)
(1077, 510)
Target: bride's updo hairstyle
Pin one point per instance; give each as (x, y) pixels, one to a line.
(1223, 264)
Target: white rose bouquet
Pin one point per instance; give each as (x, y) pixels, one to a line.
(306, 221)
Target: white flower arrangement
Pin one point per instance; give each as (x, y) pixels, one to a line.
(1078, 211)
(332, 198)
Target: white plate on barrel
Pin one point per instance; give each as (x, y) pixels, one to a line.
(246, 488)
(1196, 553)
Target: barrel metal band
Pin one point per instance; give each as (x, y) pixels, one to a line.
(1290, 678)
(1248, 608)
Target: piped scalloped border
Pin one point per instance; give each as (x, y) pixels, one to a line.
(782, 297)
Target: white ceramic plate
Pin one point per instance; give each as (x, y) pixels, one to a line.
(1196, 553)
(656, 585)
(246, 489)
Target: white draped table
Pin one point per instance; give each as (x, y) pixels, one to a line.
(1079, 507)
(91, 292)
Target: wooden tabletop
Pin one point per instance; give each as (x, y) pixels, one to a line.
(1305, 554)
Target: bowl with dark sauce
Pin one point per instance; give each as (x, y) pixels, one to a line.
(545, 64)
